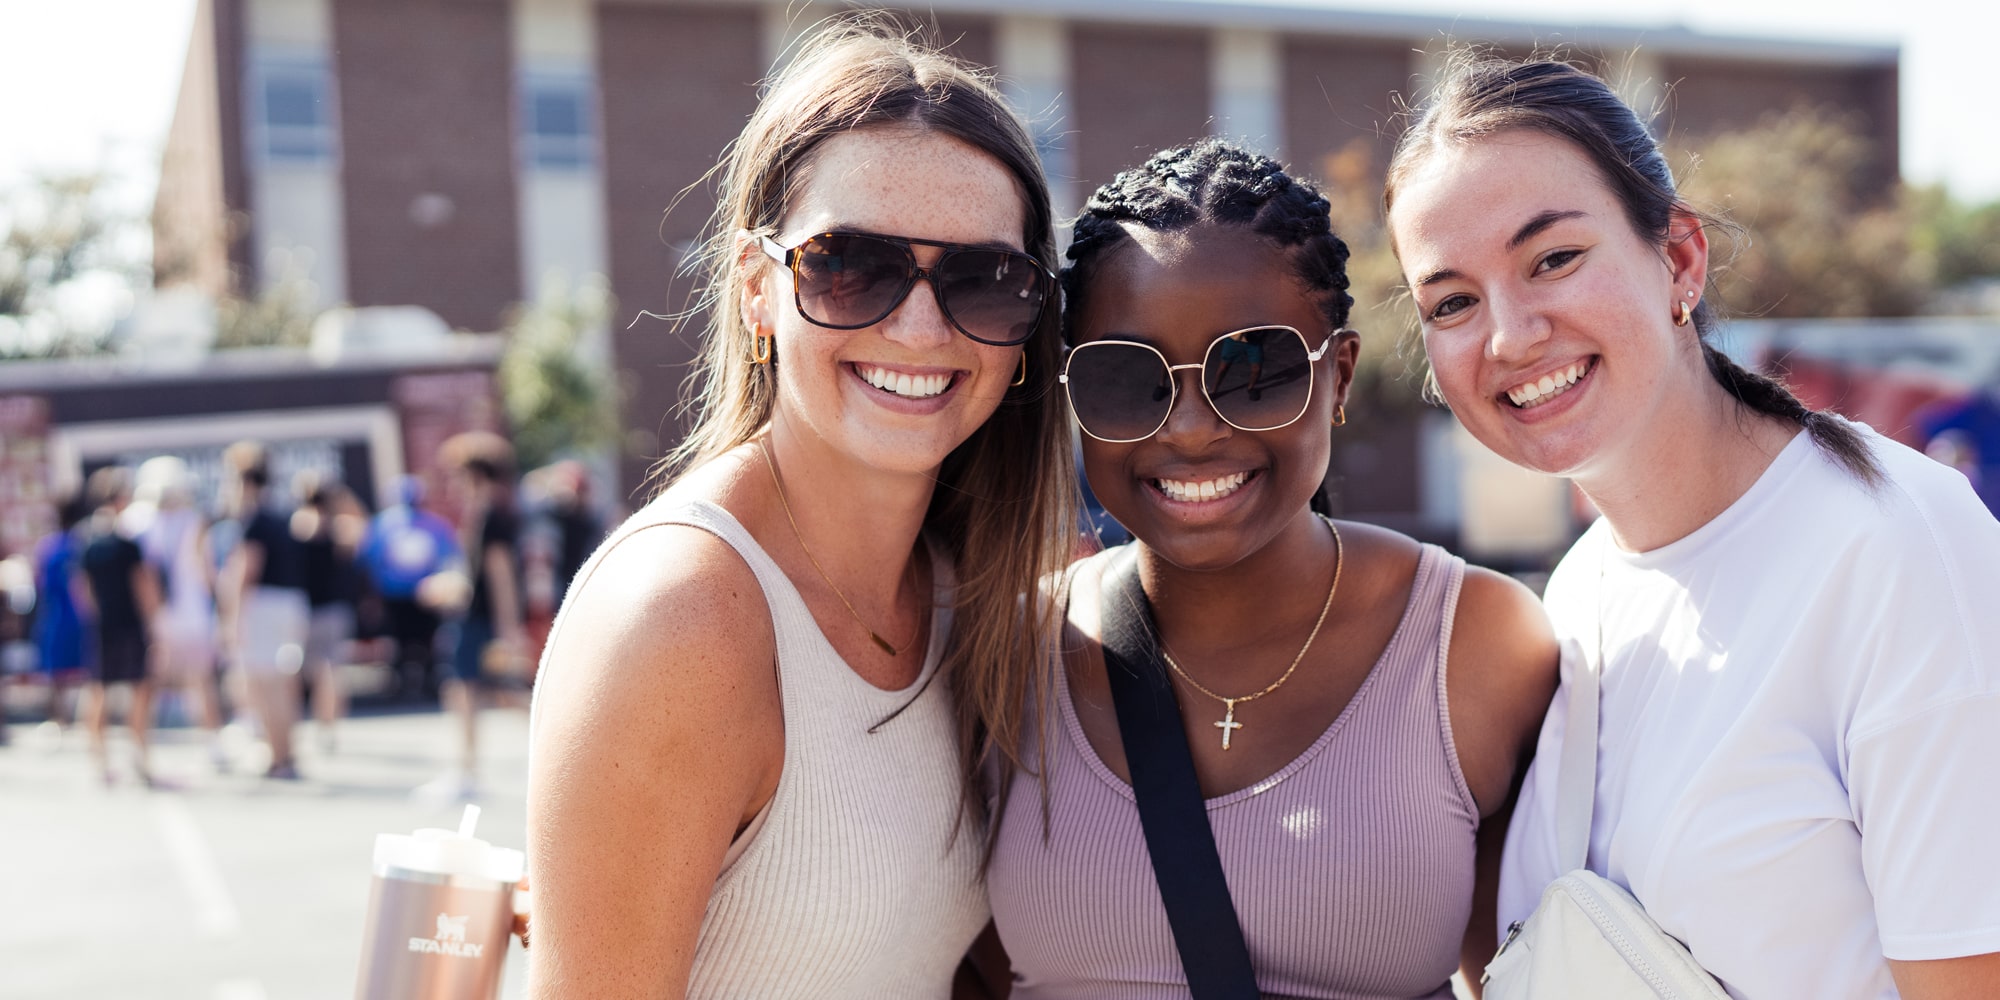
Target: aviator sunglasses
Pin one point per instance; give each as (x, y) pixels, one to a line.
(1258, 379)
(846, 281)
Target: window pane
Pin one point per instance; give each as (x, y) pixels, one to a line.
(560, 154)
(296, 144)
(292, 102)
(556, 113)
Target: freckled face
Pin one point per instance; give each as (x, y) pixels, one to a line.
(1178, 292)
(895, 182)
(1547, 319)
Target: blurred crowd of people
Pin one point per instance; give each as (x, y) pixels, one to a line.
(238, 621)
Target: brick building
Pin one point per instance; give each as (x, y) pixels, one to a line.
(462, 154)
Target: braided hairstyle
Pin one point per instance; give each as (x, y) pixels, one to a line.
(1212, 182)
(1480, 96)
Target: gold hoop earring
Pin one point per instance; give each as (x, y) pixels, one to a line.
(1683, 313)
(1021, 377)
(760, 353)
(1339, 414)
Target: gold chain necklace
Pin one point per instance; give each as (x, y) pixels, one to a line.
(1229, 724)
(779, 482)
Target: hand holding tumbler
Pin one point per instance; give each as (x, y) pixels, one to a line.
(440, 908)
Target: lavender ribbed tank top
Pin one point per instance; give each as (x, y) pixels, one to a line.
(1351, 867)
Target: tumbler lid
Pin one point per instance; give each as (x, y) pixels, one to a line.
(449, 852)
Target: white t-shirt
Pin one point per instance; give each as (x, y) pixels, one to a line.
(1798, 765)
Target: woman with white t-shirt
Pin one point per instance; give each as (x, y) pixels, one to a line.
(1794, 615)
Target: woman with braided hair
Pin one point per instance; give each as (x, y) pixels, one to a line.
(1356, 704)
(1791, 615)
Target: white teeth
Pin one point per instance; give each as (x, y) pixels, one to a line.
(1548, 386)
(1210, 489)
(903, 383)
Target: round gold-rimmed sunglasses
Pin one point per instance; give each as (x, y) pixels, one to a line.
(1259, 378)
(850, 280)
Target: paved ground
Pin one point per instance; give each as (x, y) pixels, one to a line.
(228, 887)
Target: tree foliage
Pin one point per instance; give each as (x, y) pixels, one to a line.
(1806, 235)
(1963, 239)
(558, 403)
(58, 232)
(1389, 373)
(281, 315)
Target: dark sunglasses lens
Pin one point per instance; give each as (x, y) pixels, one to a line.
(1119, 392)
(850, 281)
(993, 296)
(1259, 379)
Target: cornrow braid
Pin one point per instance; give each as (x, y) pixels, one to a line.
(1213, 182)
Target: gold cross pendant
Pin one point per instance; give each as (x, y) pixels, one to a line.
(1228, 722)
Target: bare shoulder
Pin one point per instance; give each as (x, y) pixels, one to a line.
(668, 608)
(1501, 627)
(1365, 540)
(664, 609)
(1380, 568)
(658, 734)
(665, 658)
(1500, 676)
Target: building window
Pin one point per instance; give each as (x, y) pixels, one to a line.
(557, 129)
(294, 110)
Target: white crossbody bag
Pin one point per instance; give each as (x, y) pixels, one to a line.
(1588, 939)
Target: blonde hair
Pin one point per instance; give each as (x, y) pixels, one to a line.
(1006, 501)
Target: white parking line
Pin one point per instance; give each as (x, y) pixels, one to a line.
(214, 912)
(239, 989)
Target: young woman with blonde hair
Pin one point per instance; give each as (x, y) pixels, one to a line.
(748, 776)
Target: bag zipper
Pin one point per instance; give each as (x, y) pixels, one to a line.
(1513, 931)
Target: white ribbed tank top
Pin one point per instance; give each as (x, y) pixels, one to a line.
(851, 882)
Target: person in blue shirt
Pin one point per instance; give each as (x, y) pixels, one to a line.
(1965, 433)
(405, 545)
(59, 631)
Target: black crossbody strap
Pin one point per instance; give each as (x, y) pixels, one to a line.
(1178, 837)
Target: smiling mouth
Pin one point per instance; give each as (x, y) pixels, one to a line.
(903, 383)
(1528, 395)
(1201, 491)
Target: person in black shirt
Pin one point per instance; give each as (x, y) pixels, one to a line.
(328, 527)
(578, 528)
(489, 648)
(123, 598)
(262, 598)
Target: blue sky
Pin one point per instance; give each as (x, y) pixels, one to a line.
(92, 81)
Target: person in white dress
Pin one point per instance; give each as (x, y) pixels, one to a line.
(174, 536)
